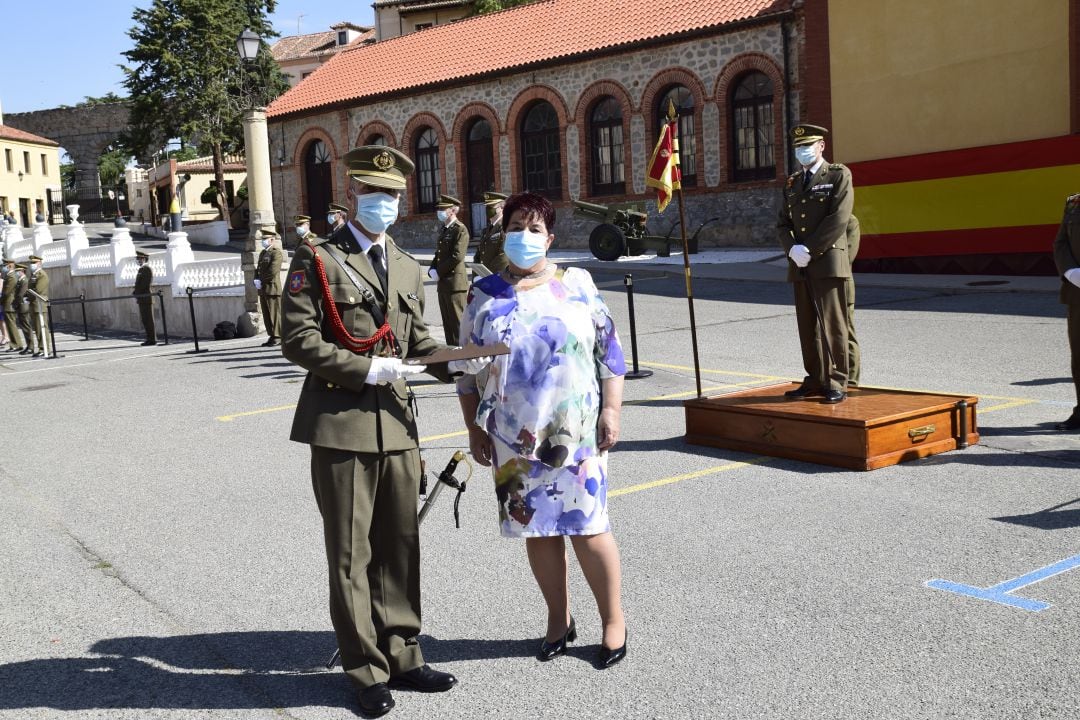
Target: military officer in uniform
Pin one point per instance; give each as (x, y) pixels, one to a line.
(490, 251)
(144, 278)
(39, 295)
(302, 227)
(268, 283)
(1067, 259)
(813, 223)
(854, 234)
(352, 311)
(15, 339)
(336, 216)
(448, 266)
(22, 312)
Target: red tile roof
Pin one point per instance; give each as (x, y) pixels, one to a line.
(530, 34)
(317, 44)
(9, 133)
(206, 164)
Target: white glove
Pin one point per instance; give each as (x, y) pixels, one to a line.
(1073, 276)
(386, 370)
(800, 255)
(257, 283)
(432, 274)
(472, 366)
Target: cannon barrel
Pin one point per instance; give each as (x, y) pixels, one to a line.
(592, 210)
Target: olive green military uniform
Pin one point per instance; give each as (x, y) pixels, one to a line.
(365, 462)
(39, 283)
(854, 234)
(15, 339)
(453, 284)
(816, 213)
(22, 311)
(1067, 257)
(268, 270)
(490, 253)
(144, 279)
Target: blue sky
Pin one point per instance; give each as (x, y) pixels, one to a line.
(47, 66)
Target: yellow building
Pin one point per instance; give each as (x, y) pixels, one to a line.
(959, 121)
(29, 176)
(188, 180)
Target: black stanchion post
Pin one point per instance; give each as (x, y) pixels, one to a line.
(164, 321)
(85, 327)
(962, 422)
(635, 374)
(52, 332)
(194, 327)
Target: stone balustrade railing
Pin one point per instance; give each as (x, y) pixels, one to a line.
(225, 273)
(125, 273)
(54, 254)
(96, 260)
(19, 250)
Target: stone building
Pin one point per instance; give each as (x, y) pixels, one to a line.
(394, 18)
(558, 98)
(299, 55)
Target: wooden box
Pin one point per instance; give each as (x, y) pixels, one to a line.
(873, 428)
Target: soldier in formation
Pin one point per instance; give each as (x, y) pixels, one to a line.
(490, 251)
(302, 227)
(1067, 259)
(336, 216)
(268, 282)
(37, 295)
(16, 341)
(448, 266)
(144, 278)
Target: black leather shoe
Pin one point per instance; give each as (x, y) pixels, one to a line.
(608, 657)
(148, 342)
(834, 396)
(424, 679)
(551, 650)
(271, 342)
(803, 391)
(24, 351)
(376, 700)
(1070, 425)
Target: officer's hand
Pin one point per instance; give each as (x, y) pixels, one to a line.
(1073, 276)
(432, 274)
(386, 370)
(472, 366)
(480, 445)
(257, 283)
(800, 255)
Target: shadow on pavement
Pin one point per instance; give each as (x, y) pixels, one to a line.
(1053, 518)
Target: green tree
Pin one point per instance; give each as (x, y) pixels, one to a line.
(187, 81)
(488, 6)
(111, 166)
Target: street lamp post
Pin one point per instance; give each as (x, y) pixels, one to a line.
(260, 193)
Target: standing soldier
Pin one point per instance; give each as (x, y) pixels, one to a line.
(352, 311)
(302, 227)
(39, 295)
(854, 234)
(812, 229)
(144, 278)
(268, 283)
(15, 339)
(1067, 259)
(336, 216)
(448, 266)
(22, 314)
(490, 252)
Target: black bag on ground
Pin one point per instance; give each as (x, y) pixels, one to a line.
(224, 330)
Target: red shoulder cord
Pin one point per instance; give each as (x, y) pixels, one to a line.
(355, 344)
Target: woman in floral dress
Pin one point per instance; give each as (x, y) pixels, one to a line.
(544, 417)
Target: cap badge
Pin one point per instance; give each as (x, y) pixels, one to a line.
(384, 161)
(799, 131)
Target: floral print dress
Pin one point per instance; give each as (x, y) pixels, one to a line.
(540, 404)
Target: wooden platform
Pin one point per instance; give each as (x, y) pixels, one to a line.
(873, 428)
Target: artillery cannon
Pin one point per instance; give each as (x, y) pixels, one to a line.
(623, 231)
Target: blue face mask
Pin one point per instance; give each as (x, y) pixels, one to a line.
(376, 211)
(806, 155)
(441, 214)
(524, 249)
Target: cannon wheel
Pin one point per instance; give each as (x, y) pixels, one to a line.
(607, 242)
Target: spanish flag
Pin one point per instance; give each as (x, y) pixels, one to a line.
(663, 173)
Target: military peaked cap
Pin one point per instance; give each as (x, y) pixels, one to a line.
(272, 233)
(34, 258)
(805, 133)
(142, 254)
(379, 166)
(493, 198)
(301, 219)
(337, 207)
(447, 201)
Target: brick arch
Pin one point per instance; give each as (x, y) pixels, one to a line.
(311, 133)
(589, 97)
(522, 102)
(408, 139)
(729, 76)
(376, 127)
(651, 94)
(462, 123)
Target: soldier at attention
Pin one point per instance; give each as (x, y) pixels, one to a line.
(448, 266)
(16, 342)
(268, 282)
(352, 310)
(813, 230)
(22, 311)
(336, 216)
(39, 296)
(490, 251)
(144, 278)
(302, 227)
(1067, 259)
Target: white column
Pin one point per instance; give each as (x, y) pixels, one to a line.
(260, 205)
(177, 252)
(42, 236)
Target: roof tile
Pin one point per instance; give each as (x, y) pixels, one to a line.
(9, 133)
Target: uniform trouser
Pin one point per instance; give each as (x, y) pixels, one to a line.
(830, 294)
(15, 338)
(23, 320)
(368, 505)
(854, 353)
(271, 312)
(146, 314)
(37, 332)
(1073, 321)
(451, 305)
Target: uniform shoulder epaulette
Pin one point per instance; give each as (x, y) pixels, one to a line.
(316, 240)
(403, 251)
(836, 166)
(1072, 200)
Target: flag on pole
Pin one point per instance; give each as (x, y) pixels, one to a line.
(663, 172)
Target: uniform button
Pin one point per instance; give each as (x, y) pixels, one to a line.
(351, 297)
(389, 307)
(329, 386)
(803, 215)
(803, 202)
(802, 229)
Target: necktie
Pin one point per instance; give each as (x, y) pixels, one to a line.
(375, 255)
(806, 178)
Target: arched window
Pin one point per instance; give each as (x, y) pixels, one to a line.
(540, 159)
(606, 131)
(684, 106)
(479, 169)
(752, 122)
(427, 170)
(318, 180)
(377, 140)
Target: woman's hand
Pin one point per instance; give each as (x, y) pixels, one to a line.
(607, 429)
(480, 446)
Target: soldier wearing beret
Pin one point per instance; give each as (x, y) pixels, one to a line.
(813, 229)
(38, 294)
(1067, 259)
(490, 251)
(144, 279)
(15, 339)
(352, 311)
(268, 282)
(336, 216)
(448, 266)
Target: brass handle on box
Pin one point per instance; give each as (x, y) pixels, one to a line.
(921, 432)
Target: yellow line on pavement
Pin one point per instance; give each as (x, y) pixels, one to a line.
(690, 368)
(432, 438)
(689, 476)
(230, 418)
(1007, 405)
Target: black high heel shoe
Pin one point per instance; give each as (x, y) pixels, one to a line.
(551, 650)
(608, 657)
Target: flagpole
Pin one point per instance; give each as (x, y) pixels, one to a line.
(686, 269)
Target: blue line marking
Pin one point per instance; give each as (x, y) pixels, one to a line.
(1000, 593)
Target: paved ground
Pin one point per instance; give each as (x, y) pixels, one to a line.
(163, 556)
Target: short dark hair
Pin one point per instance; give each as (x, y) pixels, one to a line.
(532, 205)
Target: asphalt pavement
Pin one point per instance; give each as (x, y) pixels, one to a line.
(163, 554)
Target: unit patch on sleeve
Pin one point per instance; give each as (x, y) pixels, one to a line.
(296, 281)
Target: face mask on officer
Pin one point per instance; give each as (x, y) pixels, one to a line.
(376, 211)
(807, 155)
(265, 242)
(442, 215)
(34, 267)
(301, 230)
(524, 248)
(331, 218)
